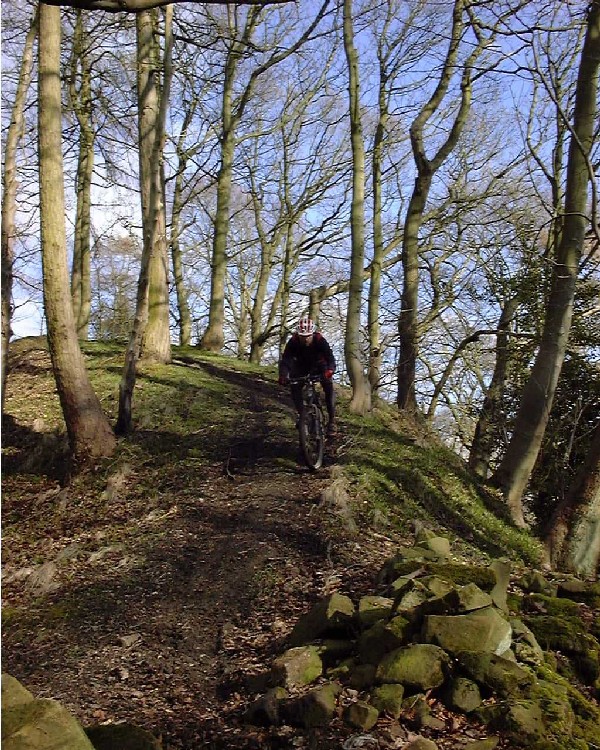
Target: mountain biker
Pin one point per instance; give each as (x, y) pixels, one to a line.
(307, 352)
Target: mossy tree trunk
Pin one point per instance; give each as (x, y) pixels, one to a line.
(90, 435)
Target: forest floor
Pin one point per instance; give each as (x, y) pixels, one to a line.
(159, 589)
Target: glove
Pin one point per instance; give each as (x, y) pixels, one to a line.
(283, 380)
(328, 374)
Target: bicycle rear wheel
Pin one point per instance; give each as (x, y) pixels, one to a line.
(312, 437)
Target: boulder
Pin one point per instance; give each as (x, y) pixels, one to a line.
(315, 709)
(332, 616)
(264, 711)
(388, 699)
(504, 676)
(373, 608)
(485, 627)
(382, 638)
(297, 667)
(41, 724)
(421, 666)
(361, 715)
(125, 736)
(462, 695)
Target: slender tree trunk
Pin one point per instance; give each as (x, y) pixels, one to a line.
(373, 325)
(489, 416)
(361, 391)
(81, 101)
(151, 123)
(9, 193)
(538, 394)
(89, 432)
(185, 321)
(214, 336)
(408, 323)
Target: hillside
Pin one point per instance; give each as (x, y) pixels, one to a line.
(159, 588)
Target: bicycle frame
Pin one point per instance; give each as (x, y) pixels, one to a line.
(311, 422)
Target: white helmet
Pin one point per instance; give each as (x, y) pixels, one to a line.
(306, 326)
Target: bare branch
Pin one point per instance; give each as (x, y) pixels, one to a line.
(137, 6)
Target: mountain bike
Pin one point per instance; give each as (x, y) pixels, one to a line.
(311, 423)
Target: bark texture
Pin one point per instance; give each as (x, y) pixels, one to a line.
(90, 435)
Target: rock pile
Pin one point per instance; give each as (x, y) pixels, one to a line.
(438, 635)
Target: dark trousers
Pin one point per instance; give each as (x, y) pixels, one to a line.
(328, 390)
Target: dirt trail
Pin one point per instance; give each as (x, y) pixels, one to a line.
(166, 615)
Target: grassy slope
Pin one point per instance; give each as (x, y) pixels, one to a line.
(188, 411)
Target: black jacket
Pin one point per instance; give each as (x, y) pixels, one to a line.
(299, 359)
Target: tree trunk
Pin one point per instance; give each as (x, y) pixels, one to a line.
(517, 464)
(81, 101)
(408, 323)
(361, 390)
(185, 321)
(573, 535)
(90, 435)
(373, 324)
(483, 442)
(153, 103)
(151, 130)
(9, 193)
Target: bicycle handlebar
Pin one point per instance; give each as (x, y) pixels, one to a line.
(311, 377)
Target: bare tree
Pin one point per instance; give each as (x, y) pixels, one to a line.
(517, 464)
(89, 432)
(361, 388)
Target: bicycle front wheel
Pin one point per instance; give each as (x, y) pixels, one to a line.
(312, 437)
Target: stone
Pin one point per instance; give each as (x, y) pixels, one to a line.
(315, 709)
(264, 711)
(439, 545)
(373, 608)
(501, 570)
(420, 743)
(362, 676)
(489, 743)
(333, 615)
(331, 650)
(462, 695)
(525, 644)
(383, 637)
(494, 672)
(485, 627)
(13, 693)
(361, 715)
(297, 667)
(421, 666)
(388, 699)
(42, 724)
(110, 736)
(522, 719)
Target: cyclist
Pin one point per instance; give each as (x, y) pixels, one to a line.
(307, 352)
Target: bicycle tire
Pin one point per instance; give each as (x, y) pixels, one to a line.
(312, 437)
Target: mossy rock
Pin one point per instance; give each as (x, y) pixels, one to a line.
(455, 573)
(551, 605)
(565, 634)
(122, 737)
